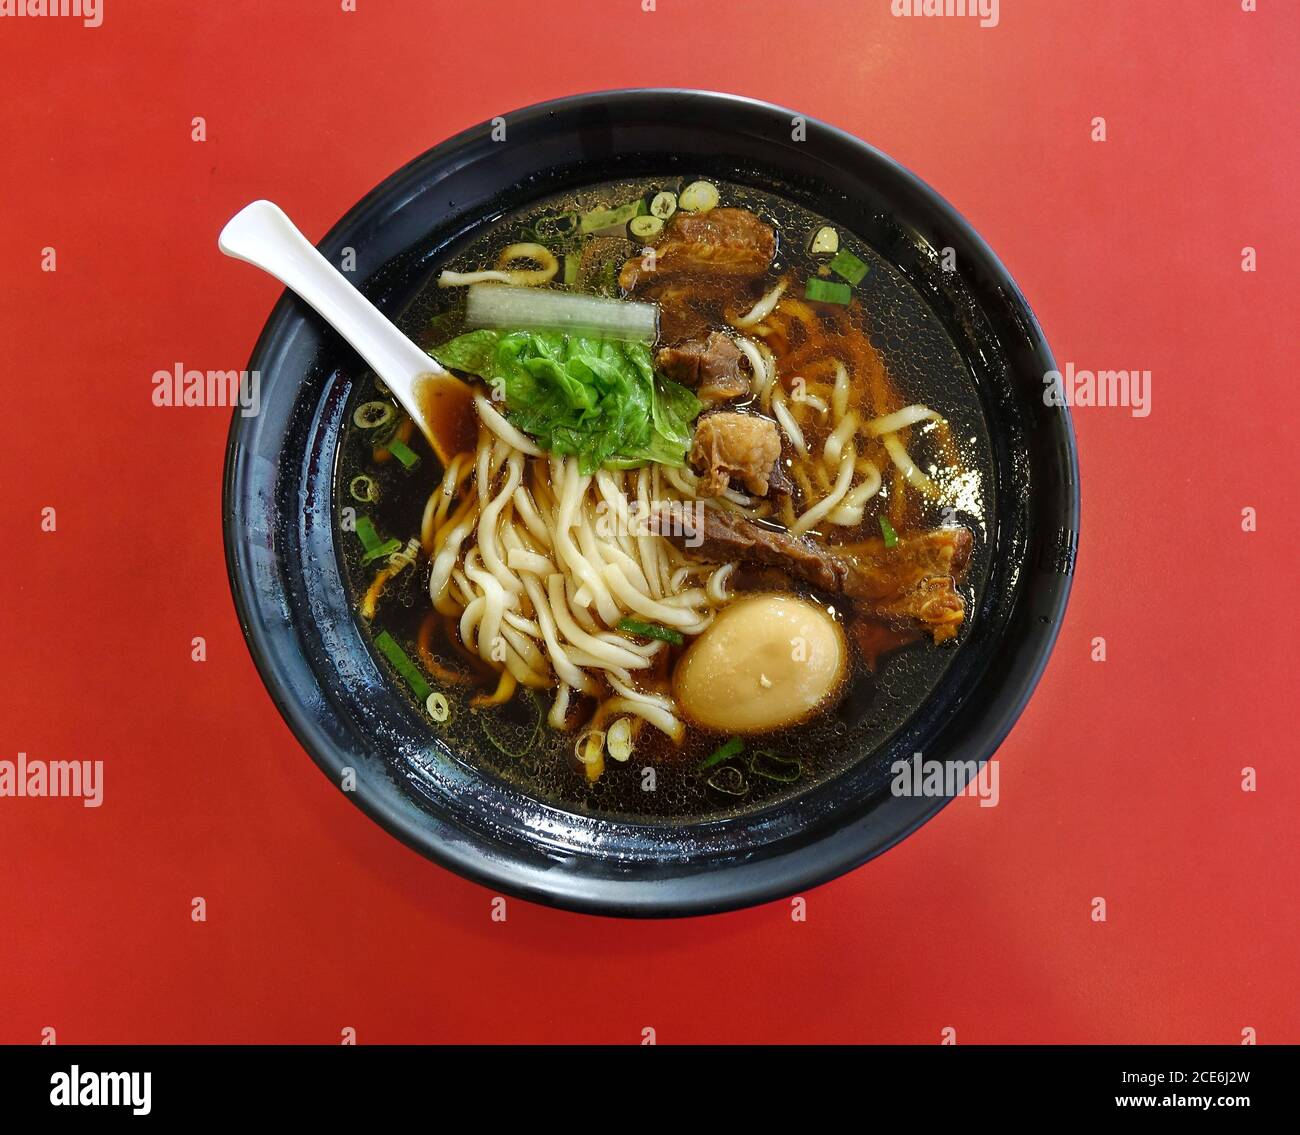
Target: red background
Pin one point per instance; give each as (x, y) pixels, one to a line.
(1123, 778)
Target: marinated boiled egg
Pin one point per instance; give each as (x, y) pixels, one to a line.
(765, 662)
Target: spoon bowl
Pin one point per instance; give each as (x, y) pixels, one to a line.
(262, 234)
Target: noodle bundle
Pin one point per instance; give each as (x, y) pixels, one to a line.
(537, 563)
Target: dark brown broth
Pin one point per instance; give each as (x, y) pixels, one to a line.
(923, 364)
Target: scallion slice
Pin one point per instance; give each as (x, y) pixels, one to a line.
(887, 531)
(403, 452)
(651, 630)
(437, 706)
(663, 205)
(646, 227)
(600, 219)
(618, 739)
(372, 415)
(366, 533)
(825, 241)
(698, 197)
(401, 662)
(825, 291)
(724, 752)
(845, 264)
(363, 488)
(387, 548)
(730, 781)
(773, 766)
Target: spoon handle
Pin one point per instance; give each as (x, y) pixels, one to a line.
(261, 234)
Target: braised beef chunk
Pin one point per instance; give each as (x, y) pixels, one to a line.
(879, 574)
(729, 536)
(740, 446)
(723, 388)
(721, 242)
(909, 587)
(913, 582)
(780, 489)
(934, 603)
(714, 365)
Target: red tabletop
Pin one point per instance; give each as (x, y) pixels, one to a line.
(1123, 780)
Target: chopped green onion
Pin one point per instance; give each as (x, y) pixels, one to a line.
(887, 531)
(371, 415)
(403, 452)
(403, 665)
(724, 752)
(646, 227)
(663, 205)
(599, 219)
(366, 533)
(618, 739)
(387, 548)
(824, 291)
(651, 630)
(845, 264)
(729, 780)
(571, 264)
(438, 707)
(362, 488)
(773, 766)
(698, 197)
(589, 746)
(825, 241)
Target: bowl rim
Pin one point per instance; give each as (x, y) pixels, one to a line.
(792, 871)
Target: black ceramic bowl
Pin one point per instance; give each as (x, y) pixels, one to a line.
(293, 603)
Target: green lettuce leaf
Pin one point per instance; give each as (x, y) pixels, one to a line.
(597, 399)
